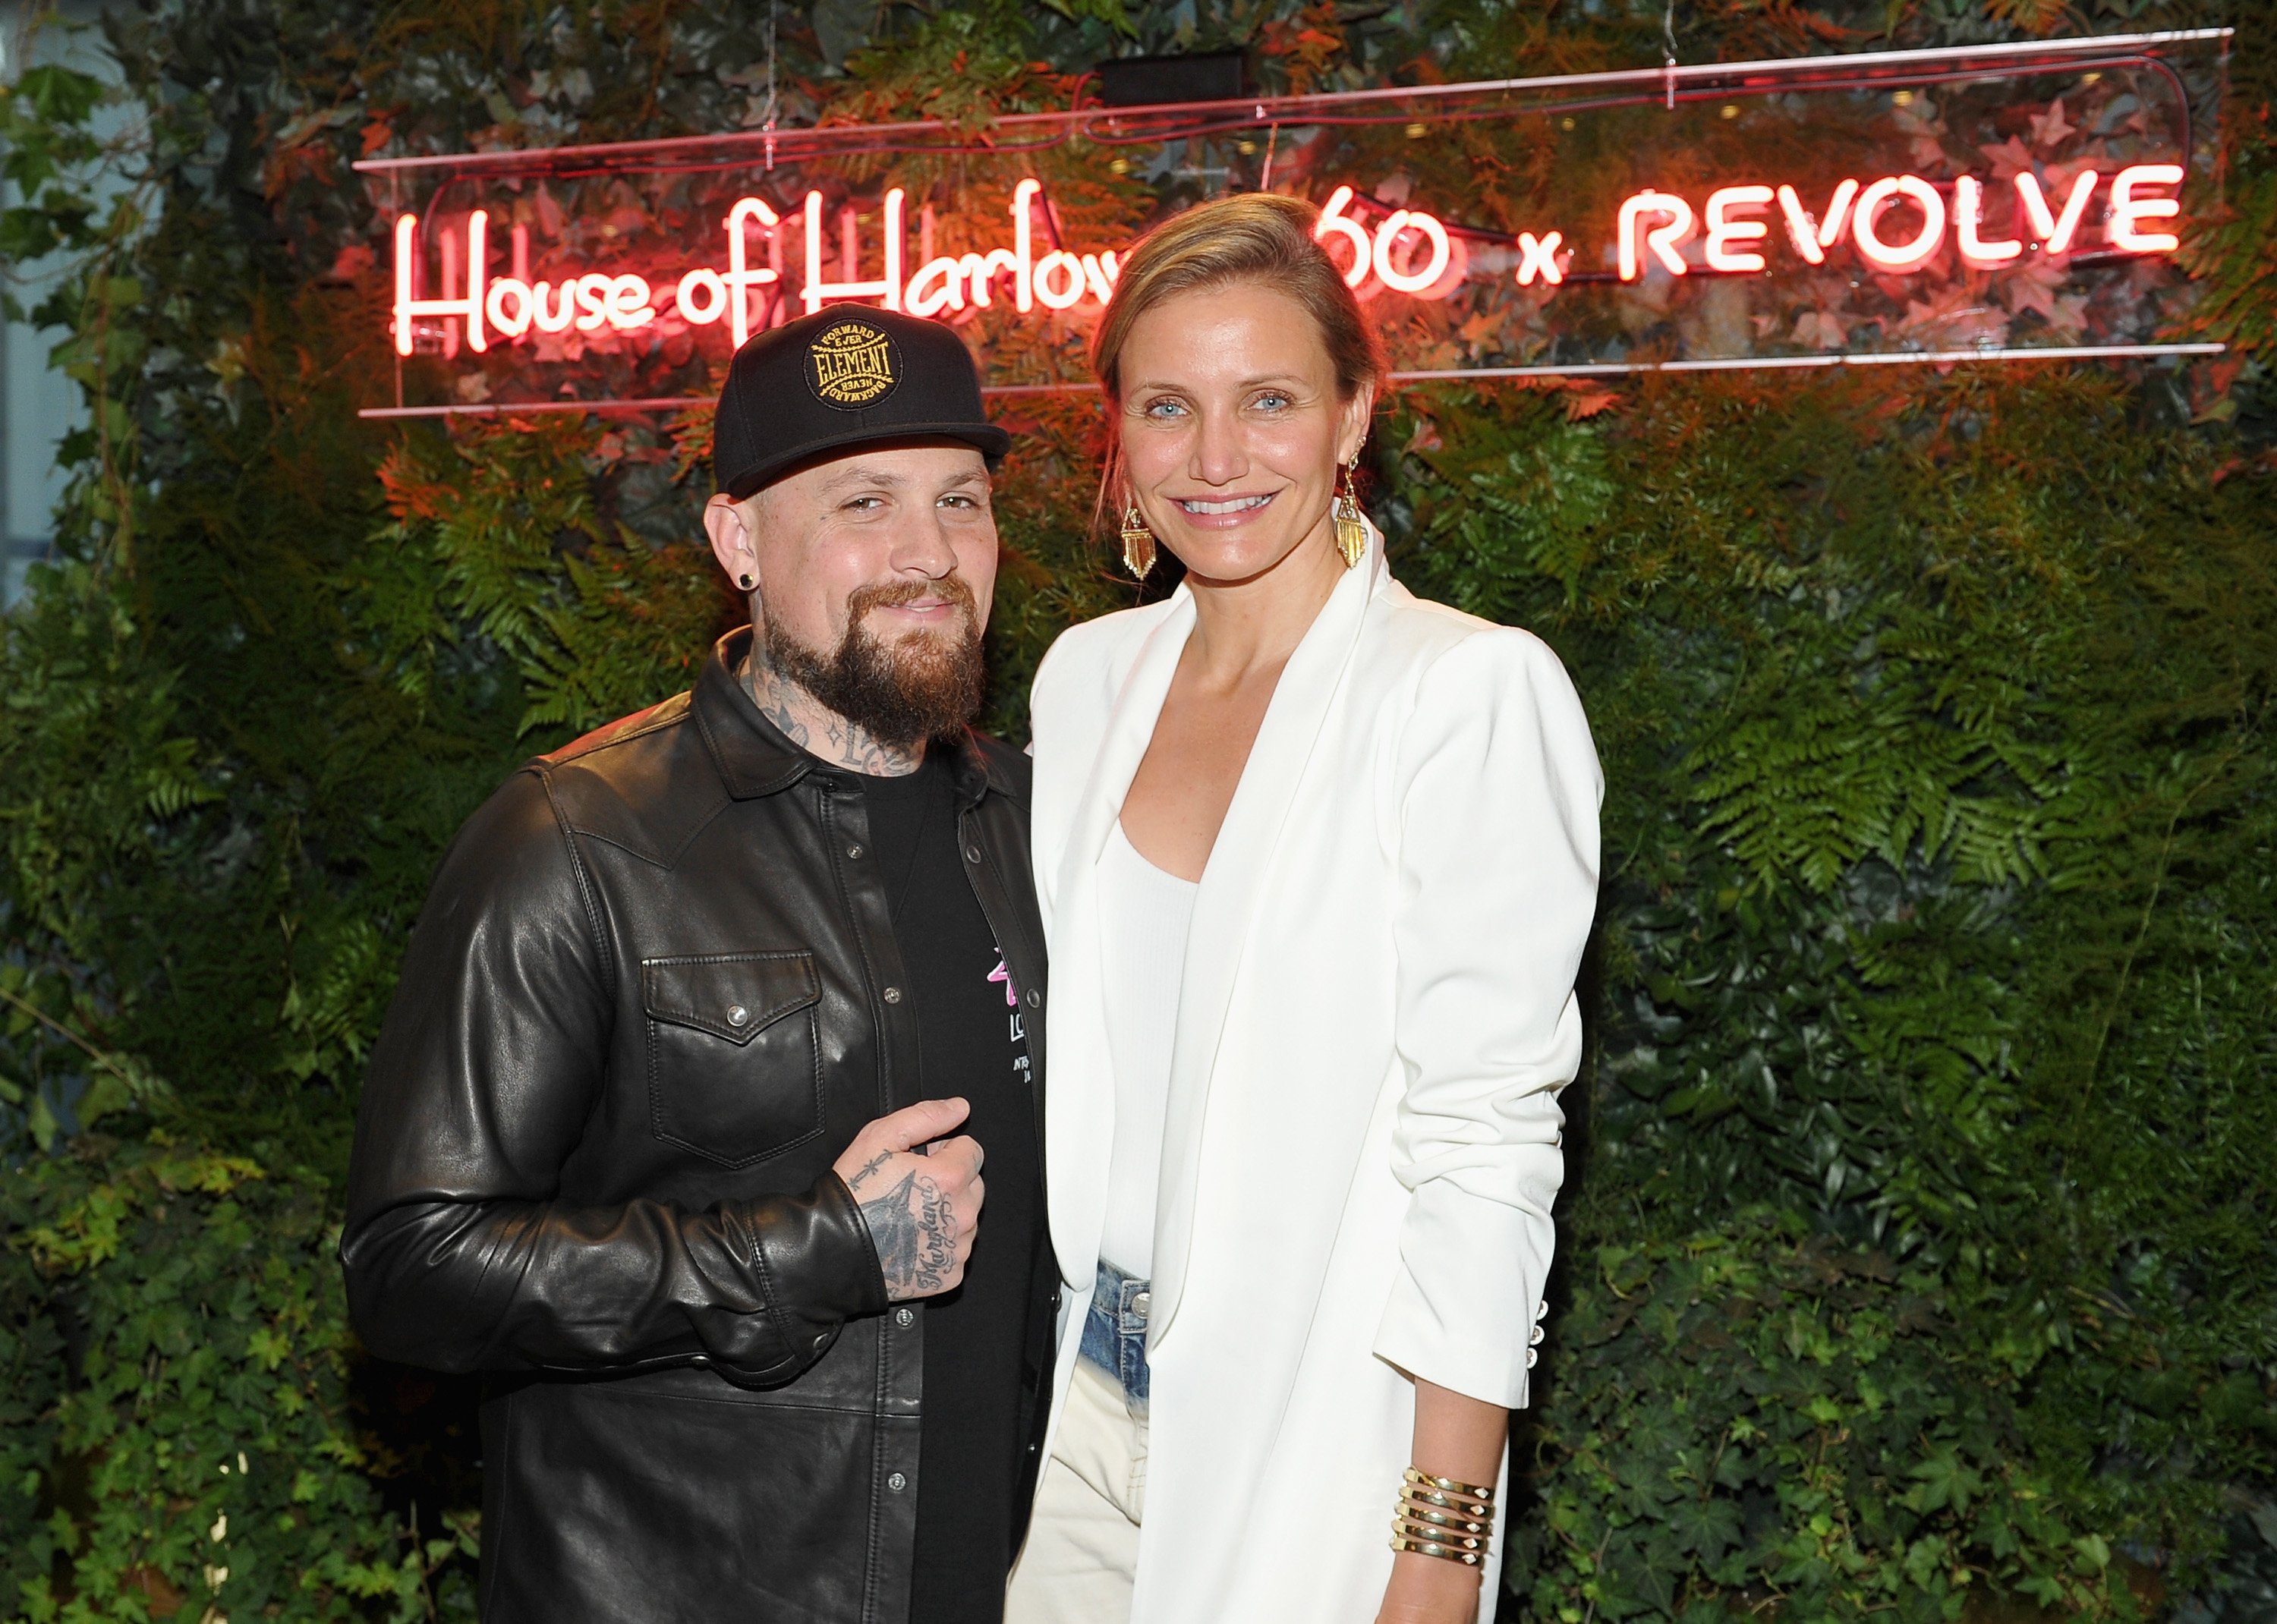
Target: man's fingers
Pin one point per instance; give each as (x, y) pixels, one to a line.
(914, 1125)
(964, 1155)
(898, 1134)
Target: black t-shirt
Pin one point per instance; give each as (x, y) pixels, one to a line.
(973, 1046)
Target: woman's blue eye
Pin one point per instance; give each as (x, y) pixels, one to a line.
(1163, 409)
(1273, 400)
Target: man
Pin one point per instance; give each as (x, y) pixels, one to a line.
(675, 1127)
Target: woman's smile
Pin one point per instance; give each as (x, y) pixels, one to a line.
(1223, 512)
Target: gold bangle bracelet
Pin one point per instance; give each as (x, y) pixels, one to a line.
(1449, 1485)
(1445, 1503)
(1427, 1547)
(1441, 1520)
(1442, 1537)
(1412, 1495)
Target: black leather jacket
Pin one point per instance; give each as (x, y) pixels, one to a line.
(650, 999)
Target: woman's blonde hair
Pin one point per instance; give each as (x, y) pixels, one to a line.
(1252, 236)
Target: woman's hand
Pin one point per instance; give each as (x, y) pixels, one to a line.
(1429, 1589)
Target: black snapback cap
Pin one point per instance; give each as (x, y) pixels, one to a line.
(844, 376)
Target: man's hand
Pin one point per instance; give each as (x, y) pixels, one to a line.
(921, 1203)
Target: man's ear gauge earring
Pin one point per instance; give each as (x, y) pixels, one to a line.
(747, 581)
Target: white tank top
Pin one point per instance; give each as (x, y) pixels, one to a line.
(1143, 916)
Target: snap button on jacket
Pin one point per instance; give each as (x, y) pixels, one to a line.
(647, 1004)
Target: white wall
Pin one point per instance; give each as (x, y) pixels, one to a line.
(37, 404)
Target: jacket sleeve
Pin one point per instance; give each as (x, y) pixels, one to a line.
(458, 1253)
(1496, 788)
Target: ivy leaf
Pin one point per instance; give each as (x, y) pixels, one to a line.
(1708, 1527)
(1943, 1481)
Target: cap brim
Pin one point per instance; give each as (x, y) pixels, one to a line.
(986, 438)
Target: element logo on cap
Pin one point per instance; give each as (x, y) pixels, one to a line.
(852, 365)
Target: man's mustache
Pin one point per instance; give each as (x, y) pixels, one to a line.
(892, 594)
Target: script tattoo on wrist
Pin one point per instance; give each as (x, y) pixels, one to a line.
(913, 1226)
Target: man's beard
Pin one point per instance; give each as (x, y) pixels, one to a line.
(903, 692)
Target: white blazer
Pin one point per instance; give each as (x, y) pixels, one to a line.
(1362, 1139)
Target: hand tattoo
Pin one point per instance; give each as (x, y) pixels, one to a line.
(913, 1226)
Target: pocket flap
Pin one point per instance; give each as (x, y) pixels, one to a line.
(733, 996)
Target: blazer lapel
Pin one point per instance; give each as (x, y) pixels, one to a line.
(1079, 1119)
(1129, 730)
(1225, 906)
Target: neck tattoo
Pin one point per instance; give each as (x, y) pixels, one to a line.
(804, 720)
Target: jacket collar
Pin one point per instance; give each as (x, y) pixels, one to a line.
(754, 757)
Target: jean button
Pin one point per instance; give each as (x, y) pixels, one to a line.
(905, 1317)
(897, 1483)
(1142, 1302)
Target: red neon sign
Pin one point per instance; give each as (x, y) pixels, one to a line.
(1655, 226)
(1410, 251)
(1971, 203)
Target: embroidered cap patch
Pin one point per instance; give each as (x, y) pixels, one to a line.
(852, 364)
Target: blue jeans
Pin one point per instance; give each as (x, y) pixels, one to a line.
(1115, 1333)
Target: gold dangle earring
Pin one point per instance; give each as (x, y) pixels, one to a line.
(1352, 530)
(1138, 543)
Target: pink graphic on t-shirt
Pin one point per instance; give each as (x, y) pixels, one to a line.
(1003, 973)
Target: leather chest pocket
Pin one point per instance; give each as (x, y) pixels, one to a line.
(735, 1053)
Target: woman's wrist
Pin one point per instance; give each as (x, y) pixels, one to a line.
(1449, 1492)
(1426, 1590)
(1442, 1518)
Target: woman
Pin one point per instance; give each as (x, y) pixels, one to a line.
(1317, 860)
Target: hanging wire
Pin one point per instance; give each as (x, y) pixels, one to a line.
(1441, 105)
(1668, 44)
(772, 95)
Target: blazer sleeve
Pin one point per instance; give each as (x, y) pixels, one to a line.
(1496, 791)
(460, 1255)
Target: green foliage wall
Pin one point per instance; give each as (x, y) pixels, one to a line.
(179, 1438)
(1919, 1244)
(1942, 930)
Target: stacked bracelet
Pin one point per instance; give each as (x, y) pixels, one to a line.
(1441, 1517)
